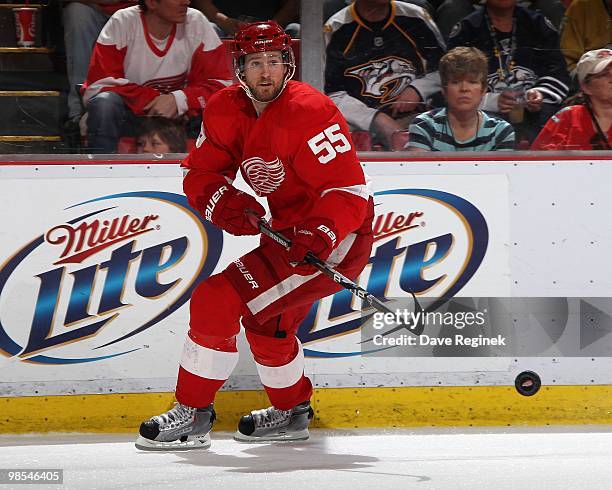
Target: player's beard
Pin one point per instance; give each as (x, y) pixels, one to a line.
(266, 93)
(269, 92)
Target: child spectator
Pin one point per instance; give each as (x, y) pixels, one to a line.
(588, 124)
(160, 135)
(460, 126)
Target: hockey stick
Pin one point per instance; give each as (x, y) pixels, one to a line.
(342, 280)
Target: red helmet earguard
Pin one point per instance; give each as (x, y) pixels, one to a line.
(258, 37)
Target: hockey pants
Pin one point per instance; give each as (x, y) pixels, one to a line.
(263, 291)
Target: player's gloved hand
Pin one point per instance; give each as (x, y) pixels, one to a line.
(230, 209)
(317, 236)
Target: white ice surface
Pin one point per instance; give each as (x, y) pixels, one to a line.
(496, 458)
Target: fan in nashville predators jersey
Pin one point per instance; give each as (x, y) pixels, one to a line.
(381, 63)
(524, 58)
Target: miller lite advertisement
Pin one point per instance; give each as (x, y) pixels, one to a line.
(95, 283)
(101, 274)
(439, 237)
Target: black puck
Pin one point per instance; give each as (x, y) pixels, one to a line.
(527, 383)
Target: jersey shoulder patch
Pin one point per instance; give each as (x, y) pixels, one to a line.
(455, 30)
(565, 113)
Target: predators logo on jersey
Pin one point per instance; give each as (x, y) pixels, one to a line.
(384, 78)
(520, 77)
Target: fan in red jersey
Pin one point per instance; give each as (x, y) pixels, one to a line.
(293, 148)
(159, 58)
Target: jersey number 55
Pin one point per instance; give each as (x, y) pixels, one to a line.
(331, 141)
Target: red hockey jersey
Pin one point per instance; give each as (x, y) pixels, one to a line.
(571, 129)
(191, 63)
(297, 153)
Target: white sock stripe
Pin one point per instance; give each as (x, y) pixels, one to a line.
(258, 303)
(283, 376)
(207, 363)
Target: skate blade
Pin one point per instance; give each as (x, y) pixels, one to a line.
(192, 443)
(301, 435)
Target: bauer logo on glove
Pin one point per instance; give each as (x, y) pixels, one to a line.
(315, 237)
(210, 207)
(227, 207)
(329, 233)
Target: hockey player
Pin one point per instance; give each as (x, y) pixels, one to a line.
(292, 146)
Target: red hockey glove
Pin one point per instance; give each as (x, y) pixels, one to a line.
(226, 207)
(316, 236)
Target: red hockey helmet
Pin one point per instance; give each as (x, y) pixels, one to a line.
(257, 37)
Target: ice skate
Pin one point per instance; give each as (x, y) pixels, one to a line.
(180, 428)
(272, 424)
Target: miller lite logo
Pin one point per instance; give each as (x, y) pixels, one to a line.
(426, 241)
(88, 238)
(384, 78)
(112, 267)
(264, 177)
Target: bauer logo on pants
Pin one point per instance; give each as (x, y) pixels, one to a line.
(112, 267)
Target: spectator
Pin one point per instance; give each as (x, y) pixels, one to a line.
(587, 26)
(587, 125)
(330, 7)
(452, 11)
(524, 58)
(229, 15)
(83, 22)
(553, 10)
(161, 135)
(159, 58)
(425, 5)
(381, 65)
(460, 126)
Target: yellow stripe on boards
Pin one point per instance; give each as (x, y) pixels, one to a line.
(20, 139)
(29, 93)
(9, 50)
(461, 406)
(334, 408)
(14, 5)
